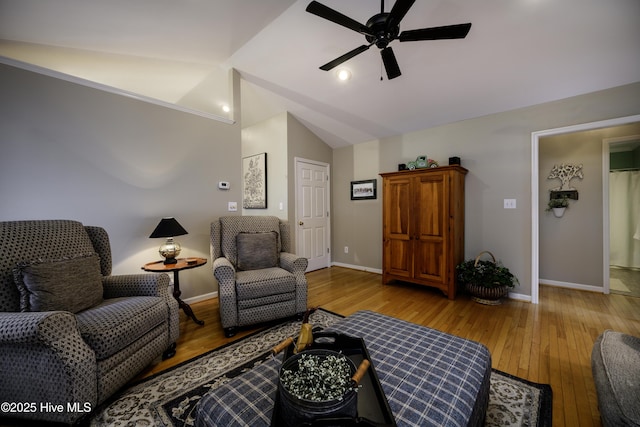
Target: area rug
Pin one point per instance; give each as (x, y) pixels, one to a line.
(169, 398)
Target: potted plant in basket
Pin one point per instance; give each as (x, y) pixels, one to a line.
(558, 206)
(486, 281)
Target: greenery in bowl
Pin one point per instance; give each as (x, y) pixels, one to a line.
(485, 273)
(558, 203)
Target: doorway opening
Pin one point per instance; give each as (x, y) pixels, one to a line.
(621, 178)
(535, 195)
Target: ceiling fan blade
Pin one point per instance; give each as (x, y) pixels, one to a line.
(398, 11)
(390, 63)
(345, 57)
(332, 15)
(458, 31)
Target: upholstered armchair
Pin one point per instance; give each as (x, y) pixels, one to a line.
(258, 278)
(70, 333)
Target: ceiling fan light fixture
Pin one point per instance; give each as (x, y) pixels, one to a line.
(343, 74)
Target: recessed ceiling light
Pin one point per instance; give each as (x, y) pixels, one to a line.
(343, 74)
(226, 108)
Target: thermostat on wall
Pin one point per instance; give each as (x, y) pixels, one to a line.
(223, 185)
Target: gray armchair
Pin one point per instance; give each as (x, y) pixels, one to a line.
(259, 280)
(70, 333)
(615, 364)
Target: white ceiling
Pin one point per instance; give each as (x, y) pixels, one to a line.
(518, 53)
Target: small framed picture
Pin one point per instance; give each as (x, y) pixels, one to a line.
(363, 190)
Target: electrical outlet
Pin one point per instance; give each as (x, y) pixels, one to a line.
(346, 249)
(232, 206)
(509, 203)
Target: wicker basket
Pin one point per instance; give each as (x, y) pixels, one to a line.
(482, 294)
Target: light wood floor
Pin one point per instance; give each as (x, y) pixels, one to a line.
(546, 343)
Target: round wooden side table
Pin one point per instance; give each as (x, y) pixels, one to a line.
(182, 264)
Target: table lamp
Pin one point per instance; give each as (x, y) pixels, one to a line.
(169, 227)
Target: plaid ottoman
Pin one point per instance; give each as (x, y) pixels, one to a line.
(429, 378)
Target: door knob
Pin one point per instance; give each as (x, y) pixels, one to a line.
(301, 223)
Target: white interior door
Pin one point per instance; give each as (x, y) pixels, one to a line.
(312, 213)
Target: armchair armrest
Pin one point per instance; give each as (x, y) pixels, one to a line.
(224, 271)
(225, 274)
(293, 263)
(46, 360)
(35, 327)
(297, 266)
(130, 285)
(152, 284)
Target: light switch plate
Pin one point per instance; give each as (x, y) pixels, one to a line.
(509, 203)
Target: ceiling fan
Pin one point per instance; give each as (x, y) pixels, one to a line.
(383, 28)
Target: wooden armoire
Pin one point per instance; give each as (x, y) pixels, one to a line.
(423, 226)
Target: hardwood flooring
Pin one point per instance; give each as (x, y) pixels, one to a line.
(548, 343)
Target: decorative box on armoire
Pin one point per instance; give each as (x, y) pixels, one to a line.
(423, 226)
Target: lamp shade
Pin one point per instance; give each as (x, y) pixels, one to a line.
(168, 227)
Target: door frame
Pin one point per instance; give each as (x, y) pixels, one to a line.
(535, 222)
(296, 161)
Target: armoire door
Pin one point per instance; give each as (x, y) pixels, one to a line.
(397, 223)
(430, 216)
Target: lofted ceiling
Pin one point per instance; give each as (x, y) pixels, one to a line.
(518, 53)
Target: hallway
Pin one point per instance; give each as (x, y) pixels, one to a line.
(624, 281)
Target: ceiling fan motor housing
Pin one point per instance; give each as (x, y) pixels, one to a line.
(382, 35)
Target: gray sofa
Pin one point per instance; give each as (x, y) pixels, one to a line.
(70, 333)
(615, 363)
(258, 279)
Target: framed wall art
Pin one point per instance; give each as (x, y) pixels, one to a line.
(254, 181)
(363, 190)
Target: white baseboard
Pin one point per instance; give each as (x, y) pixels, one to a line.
(569, 285)
(519, 297)
(357, 267)
(201, 297)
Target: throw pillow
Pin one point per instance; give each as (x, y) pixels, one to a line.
(67, 284)
(257, 250)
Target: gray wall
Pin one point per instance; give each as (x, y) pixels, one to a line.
(270, 136)
(497, 151)
(283, 138)
(69, 151)
(569, 247)
(357, 224)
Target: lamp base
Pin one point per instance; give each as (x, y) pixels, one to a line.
(169, 251)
